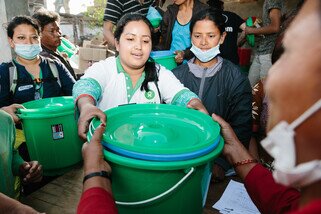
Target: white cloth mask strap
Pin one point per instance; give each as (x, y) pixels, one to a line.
(314, 108)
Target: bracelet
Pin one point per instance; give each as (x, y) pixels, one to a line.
(243, 162)
(84, 95)
(103, 174)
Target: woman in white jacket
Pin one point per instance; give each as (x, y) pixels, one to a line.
(131, 77)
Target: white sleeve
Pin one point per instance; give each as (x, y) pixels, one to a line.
(101, 71)
(168, 84)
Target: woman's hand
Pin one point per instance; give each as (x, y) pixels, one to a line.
(197, 104)
(87, 112)
(93, 153)
(179, 56)
(94, 161)
(31, 172)
(12, 109)
(233, 149)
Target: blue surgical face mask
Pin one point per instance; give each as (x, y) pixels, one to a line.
(205, 56)
(28, 51)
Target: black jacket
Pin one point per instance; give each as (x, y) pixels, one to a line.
(227, 93)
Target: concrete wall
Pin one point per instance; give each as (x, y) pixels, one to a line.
(9, 9)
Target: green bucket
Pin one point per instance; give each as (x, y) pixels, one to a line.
(141, 187)
(165, 58)
(146, 186)
(51, 134)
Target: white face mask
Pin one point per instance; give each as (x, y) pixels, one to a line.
(279, 143)
(205, 56)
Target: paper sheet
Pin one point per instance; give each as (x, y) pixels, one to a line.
(235, 200)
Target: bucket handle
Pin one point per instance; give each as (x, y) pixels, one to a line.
(160, 195)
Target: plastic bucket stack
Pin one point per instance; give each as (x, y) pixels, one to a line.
(164, 58)
(160, 156)
(51, 133)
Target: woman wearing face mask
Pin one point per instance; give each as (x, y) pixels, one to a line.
(294, 136)
(29, 76)
(131, 77)
(220, 85)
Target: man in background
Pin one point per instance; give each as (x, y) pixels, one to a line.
(49, 22)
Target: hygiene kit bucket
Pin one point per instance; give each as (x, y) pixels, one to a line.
(164, 58)
(51, 133)
(160, 156)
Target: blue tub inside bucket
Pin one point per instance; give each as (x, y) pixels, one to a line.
(161, 157)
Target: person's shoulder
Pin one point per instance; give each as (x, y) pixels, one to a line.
(171, 8)
(230, 14)
(48, 60)
(107, 65)
(200, 5)
(4, 67)
(232, 69)
(181, 70)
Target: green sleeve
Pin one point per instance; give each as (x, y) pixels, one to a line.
(183, 97)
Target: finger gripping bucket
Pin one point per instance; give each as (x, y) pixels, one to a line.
(51, 134)
(158, 187)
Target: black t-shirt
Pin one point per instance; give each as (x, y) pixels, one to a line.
(232, 27)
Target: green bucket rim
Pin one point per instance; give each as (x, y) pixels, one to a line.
(164, 57)
(40, 108)
(200, 126)
(155, 165)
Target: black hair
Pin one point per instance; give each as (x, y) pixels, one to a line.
(211, 14)
(19, 20)
(216, 4)
(45, 17)
(150, 68)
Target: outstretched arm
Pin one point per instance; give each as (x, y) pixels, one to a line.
(273, 27)
(9, 205)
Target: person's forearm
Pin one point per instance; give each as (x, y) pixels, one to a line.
(108, 33)
(262, 30)
(239, 154)
(97, 181)
(7, 204)
(85, 100)
(109, 37)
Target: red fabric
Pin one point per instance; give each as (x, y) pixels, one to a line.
(311, 208)
(96, 200)
(268, 196)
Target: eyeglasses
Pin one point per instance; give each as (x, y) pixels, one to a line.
(38, 86)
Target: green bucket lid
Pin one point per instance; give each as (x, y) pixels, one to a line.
(158, 129)
(47, 107)
(250, 37)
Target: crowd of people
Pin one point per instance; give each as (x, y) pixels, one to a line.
(276, 106)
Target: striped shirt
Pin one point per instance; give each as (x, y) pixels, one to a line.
(115, 9)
